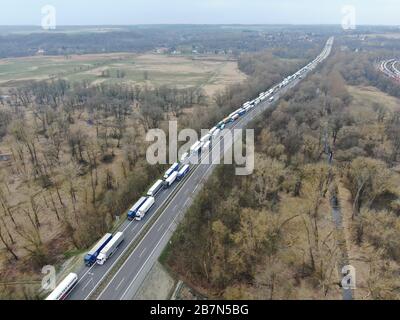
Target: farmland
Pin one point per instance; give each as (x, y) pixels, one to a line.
(211, 73)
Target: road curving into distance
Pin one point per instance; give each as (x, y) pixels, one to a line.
(123, 273)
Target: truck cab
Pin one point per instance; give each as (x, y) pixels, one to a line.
(89, 260)
(101, 259)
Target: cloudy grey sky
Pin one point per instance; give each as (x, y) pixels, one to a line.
(127, 12)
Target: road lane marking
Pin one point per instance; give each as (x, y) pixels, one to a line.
(159, 229)
(186, 202)
(90, 280)
(233, 127)
(128, 246)
(83, 277)
(134, 228)
(257, 112)
(144, 250)
(266, 105)
(152, 252)
(148, 232)
(144, 264)
(117, 287)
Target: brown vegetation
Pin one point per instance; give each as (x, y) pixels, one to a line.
(271, 235)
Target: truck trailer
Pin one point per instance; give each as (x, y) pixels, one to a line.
(234, 117)
(213, 130)
(184, 156)
(91, 256)
(145, 208)
(132, 213)
(64, 288)
(174, 167)
(196, 148)
(155, 188)
(216, 133)
(205, 138)
(110, 248)
(183, 172)
(171, 179)
(206, 146)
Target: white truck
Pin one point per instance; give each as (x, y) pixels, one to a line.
(216, 133)
(64, 288)
(195, 146)
(155, 188)
(110, 248)
(174, 167)
(232, 114)
(197, 149)
(145, 207)
(206, 146)
(213, 130)
(205, 138)
(169, 182)
(184, 156)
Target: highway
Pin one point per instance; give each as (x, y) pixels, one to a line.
(391, 68)
(145, 240)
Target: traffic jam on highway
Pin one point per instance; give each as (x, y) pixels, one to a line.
(110, 243)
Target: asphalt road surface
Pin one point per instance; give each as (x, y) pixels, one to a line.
(126, 281)
(391, 68)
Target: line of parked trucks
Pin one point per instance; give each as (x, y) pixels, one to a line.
(109, 244)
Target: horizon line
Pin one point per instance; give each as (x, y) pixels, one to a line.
(199, 24)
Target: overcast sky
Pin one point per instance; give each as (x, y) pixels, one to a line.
(128, 12)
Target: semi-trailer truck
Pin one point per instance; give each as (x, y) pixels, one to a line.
(213, 130)
(194, 146)
(64, 288)
(183, 172)
(205, 138)
(184, 156)
(144, 209)
(110, 248)
(91, 256)
(132, 213)
(227, 120)
(206, 146)
(174, 167)
(155, 188)
(232, 114)
(216, 133)
(169, 182)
